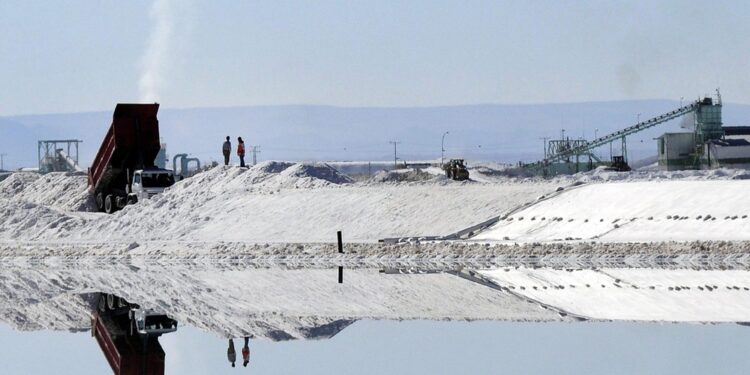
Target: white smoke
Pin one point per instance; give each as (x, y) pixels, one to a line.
(157, 55)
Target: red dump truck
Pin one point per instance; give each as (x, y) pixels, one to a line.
(123, 171)
(129, 336)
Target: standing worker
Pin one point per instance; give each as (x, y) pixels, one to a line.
(241, 151)
(226, 149)
(231, 354)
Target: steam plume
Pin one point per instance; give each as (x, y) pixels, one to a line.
(157, 54)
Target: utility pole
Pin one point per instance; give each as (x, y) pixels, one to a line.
(395, 158)
(442, 149)
(2, 162)
(256, 151)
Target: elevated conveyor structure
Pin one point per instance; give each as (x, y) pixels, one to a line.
(707, 127)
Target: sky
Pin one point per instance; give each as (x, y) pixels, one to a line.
(83, 55)
(420, 347)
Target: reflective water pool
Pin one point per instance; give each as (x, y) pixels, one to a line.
(410, 320)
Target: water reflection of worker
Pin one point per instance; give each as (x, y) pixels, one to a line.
(231, 354)
(246, 353)
(226, 149)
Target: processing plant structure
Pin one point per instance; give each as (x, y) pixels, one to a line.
(708, 145)
(58, 155)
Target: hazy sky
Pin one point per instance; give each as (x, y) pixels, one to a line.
(419, 347)
(82, 55)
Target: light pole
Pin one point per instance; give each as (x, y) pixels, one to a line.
(395, 158)
(595, 133)
(681, 98)
(638, 119)
(442, 148)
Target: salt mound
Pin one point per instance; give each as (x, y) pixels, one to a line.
(407, 175)
(269, 175)
(61, 190)
(272, 166)
(16, 183)
(33, 221)
(315, 171)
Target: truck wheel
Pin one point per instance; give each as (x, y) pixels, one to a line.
(109, 204)
(111, 301)
(102, 305)
(100, 202)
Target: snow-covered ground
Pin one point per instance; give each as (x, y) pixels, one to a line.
(278, 202)
(249, 251)
(271, 202)
(634, 211)
(265, 303)
(282, 304)
(635, 294)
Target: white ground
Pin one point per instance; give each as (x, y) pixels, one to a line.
(260, 303)
(284, 203)
(635, 294)
(272, 202)
(634, 211)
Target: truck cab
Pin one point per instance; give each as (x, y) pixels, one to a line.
(148, 182)
(128, 335)
(152, 322)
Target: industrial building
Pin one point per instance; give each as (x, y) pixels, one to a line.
(708, 144)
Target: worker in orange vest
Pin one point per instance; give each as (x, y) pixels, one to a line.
(245, 353)
(241, 151)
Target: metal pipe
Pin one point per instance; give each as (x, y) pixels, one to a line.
(174, 162)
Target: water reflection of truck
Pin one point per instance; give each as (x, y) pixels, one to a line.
(124, 169)
(129, 336)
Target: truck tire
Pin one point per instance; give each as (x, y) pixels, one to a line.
(102, 305)
(109, 204)
(100, 202)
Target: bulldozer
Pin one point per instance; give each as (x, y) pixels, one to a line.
(456, 170)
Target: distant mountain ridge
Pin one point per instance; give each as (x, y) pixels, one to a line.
(498, 132)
